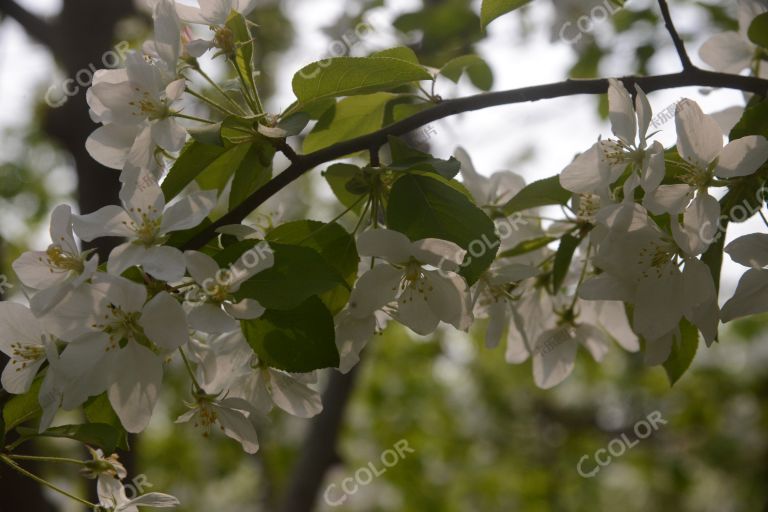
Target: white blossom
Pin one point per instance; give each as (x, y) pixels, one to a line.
(146, 221)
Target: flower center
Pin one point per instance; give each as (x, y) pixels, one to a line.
(589, 204)
(616, 151)
(657, 258)
(694, 175)
(224, 39)
(148, 226)
(119, 325)
(25, 354)
(60, 260)
(414, 280)
(145, 105)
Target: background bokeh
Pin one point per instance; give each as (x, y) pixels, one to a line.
(484, 437)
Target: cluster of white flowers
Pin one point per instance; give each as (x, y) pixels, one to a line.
(114, 328)
(638, 233)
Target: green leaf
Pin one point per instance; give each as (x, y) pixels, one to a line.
(527, 246)
(683, 352)
(563, 257)
(352, 117)
(22, 408)
(98, 410)
(333, 243)
(426, 206)
(294, 123)
(217, 174)
(209, 134)
(253, 172)
(399, 52)
(754, 121)
(406, 158)
(347, 76)
(478, 71)
(193, 160)
(348, 184)
(298, 340)
(539, 193)
(298, 273)
(97, 435)
(244, 46)
(758, 30)
(492, 9)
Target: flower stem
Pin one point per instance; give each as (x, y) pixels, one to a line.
(189, 370)
(220, 90)
(209, 101)
(7, 460)
(46, 459)
(193, 118)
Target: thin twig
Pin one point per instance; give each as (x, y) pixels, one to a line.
(35, 26)
(679, 46)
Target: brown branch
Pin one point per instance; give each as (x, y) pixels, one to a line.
(303, 163)
(318, 453)
(676, 39)
(36, 27)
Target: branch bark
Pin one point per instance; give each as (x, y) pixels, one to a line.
(36, 27)
(303, 163)
(318, 452)
(676, 39)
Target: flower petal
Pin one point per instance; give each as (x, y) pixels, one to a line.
(246, 309)
(201, 267)
(751, 296)
(110, 144)
(125, 256)
(293, 396)
(585, 174)
(658, 303)
(699, 139)
(18, 325)
(438, 253)
(414, 312)
(390, 245)
(448, 298)
(137, 380)
(742, 157)
(164, 322)
(211, 318)
(700, 226)
(700, 299)
(188, 211)
(107, 221)
(727, 52)
(553, 357)
(620, 111)
(374, 289)
(164, 262)
(644, 113)
(749, 250)
(237, 426)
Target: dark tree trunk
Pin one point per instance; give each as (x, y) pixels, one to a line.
(77, 38)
